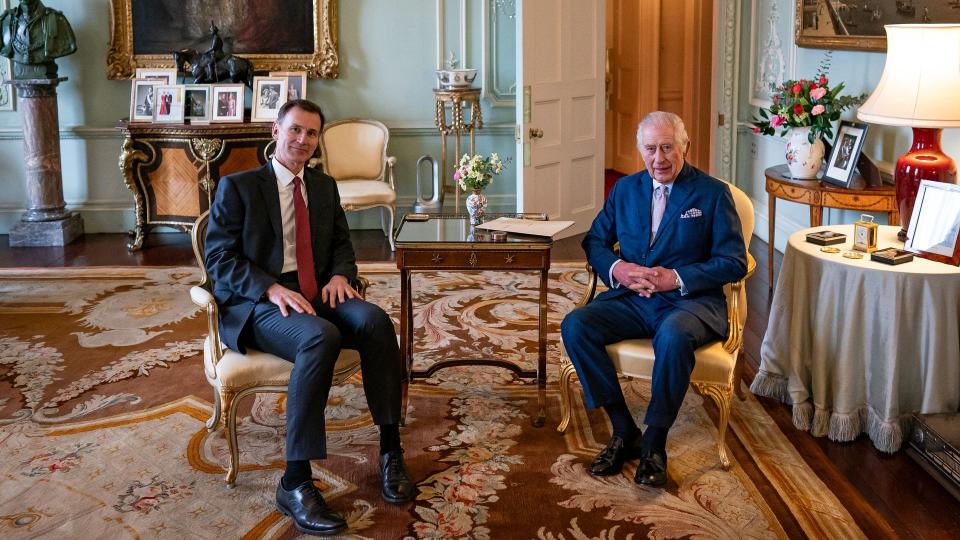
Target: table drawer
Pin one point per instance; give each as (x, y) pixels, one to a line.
(793, 193)
(480, 259)
(876, 203)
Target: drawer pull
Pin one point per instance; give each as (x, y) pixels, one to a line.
(473, 258)
(436, 257)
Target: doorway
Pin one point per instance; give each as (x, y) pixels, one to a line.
(659, 57)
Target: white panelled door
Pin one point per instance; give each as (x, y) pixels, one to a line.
(560, 136)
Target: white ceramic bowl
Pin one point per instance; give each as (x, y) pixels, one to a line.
(456, 78)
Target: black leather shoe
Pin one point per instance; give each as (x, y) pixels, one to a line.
(397, 485)
(309, 511)
(610, 460)
(652, 470)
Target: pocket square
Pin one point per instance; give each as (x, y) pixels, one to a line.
(691, 213)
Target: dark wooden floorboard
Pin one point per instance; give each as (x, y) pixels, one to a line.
(888, 495)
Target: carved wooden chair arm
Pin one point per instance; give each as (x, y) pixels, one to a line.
(735, 332)
(391, 163)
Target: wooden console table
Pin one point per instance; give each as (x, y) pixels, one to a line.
(172, 169)
(819, 195)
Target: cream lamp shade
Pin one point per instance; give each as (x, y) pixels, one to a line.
(920, 84)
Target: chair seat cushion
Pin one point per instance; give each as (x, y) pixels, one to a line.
(236, 371)
(634, 357)
(365, 192)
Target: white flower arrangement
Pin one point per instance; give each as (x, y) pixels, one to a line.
(476, 172)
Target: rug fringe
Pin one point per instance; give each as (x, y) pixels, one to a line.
(771, 385)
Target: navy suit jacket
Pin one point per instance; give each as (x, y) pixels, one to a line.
(699, 236)
(244, 247)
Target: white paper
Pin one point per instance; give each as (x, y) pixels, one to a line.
(526, 226)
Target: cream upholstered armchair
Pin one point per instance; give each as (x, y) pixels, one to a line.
(234, 375)
(718, 366)
(354, 153)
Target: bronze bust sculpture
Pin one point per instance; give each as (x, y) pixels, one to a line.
(33, 35)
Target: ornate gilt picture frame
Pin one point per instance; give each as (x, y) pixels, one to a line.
(858, 26)
(138, 39)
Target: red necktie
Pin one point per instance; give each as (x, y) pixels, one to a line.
(305, 274)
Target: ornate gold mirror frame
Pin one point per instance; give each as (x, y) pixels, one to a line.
(324, 62)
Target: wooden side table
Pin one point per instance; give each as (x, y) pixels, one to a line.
(173, 169)
(449, 242)
(819, 195)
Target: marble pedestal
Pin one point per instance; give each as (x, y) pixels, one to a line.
(46, 221)
(59, 232)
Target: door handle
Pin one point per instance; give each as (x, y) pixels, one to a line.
(536, 133)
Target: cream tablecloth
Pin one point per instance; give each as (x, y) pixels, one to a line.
(857, 346)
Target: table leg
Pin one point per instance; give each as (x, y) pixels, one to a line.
(542, 354)
(816, 216)
(406, 341)
(771, 223)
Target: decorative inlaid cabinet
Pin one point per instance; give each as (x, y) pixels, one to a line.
(172, 169)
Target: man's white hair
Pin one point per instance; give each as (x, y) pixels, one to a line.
(663, 118)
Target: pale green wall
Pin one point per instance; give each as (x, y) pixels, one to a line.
(387, 60)
(767, 28)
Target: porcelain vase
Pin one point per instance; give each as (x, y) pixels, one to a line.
(476, 207)
(803, 158)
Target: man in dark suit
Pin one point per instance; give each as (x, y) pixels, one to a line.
(279, 253)
(680, 242)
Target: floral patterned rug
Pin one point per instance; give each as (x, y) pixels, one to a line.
(102, 435)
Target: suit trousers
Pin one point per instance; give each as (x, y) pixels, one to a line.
(676, 335)
(313, 345)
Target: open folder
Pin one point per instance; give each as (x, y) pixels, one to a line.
(526, 226)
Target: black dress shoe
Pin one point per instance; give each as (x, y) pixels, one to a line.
(652, 470)
(309, 511)
(397, 485)
(610, 460)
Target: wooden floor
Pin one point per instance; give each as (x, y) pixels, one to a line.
(889, 495)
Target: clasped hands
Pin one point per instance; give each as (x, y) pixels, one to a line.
(643, 280)
(336, 291)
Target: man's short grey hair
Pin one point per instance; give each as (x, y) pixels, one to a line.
(663, 118)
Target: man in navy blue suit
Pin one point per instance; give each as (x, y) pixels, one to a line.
(680, 242)
(283, 267)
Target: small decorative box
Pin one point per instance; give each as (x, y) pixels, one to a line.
(891, 256)
(826, 238)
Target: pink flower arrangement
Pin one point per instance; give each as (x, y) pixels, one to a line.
(805, 103)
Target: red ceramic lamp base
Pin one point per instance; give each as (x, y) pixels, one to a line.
(924, 161)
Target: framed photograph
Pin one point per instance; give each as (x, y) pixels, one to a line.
(161, 75)
(168, 104)
(196, 99)
(934, 231)
(227, 103)
(269, 94)
(296, 83)
(858, 26)
(845, 152)
(142, 100)
(276, 35)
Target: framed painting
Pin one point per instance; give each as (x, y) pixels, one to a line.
(824, 24)
(276, 35)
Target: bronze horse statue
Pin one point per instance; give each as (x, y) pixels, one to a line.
(233, 68)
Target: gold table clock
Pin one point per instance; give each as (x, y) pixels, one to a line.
(865, 234)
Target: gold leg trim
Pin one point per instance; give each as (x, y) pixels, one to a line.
(230, 412)
(722, 395)
(566, 406)
(214, 422)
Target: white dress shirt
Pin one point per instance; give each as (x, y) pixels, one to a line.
(287, 213)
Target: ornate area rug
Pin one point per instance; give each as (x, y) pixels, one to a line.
(102, 435)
